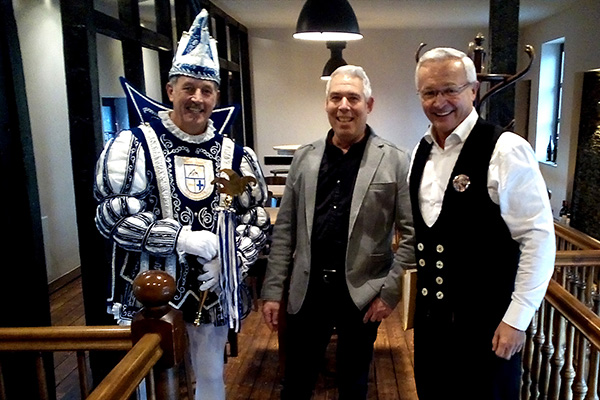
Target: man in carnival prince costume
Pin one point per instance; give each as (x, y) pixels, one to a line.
(160, 207)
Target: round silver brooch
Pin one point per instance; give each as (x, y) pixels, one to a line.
(461, 182)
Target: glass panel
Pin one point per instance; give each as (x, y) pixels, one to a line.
(108, 7)
(549, 97)
(110, 68)
(154, 90)
(148, 14)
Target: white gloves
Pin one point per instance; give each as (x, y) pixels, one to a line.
(203, 244)
(212, 273)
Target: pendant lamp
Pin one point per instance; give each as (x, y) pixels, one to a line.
(327, 20)
(335, 61)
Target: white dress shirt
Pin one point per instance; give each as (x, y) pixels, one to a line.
(517, 186)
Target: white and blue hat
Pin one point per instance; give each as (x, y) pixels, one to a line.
(197, 55)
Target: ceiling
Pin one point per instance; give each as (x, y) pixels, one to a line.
(389, 14)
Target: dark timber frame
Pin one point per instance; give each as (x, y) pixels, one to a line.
(25, 283)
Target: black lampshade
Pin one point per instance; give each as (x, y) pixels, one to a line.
(335, 61)
(327, 20)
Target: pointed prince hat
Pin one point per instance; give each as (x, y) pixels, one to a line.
(197, 55)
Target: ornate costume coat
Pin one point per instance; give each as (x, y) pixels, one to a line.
(154, 181)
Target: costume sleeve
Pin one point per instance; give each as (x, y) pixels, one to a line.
(254, 219)
(405, 254)
(516, 184)
(121, 187)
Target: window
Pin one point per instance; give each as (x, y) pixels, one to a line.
(549, 100)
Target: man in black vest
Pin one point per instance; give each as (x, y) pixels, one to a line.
(484, 240)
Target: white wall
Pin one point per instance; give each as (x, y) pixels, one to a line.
(40, 37)
(289, 97)
(579, 26)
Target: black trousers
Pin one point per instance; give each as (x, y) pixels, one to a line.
(453, 361)
(328, 305)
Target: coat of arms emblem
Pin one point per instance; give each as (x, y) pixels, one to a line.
(194, 177)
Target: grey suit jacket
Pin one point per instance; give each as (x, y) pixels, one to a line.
(380, 201)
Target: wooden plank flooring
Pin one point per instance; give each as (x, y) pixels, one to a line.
(255, 374)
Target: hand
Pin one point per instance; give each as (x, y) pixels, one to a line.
(378, 310)
(204, 244)
(212, 273)
(507, 341)
(271, 314)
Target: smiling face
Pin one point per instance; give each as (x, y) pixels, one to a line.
(347, 110)
(445, 112)
(193, 103)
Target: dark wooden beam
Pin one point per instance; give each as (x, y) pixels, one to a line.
(83, 98)
(504, 41)
(25, 288)
(133, 62)
(165, 29)
(247, 114)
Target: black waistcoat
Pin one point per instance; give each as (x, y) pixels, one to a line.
(467, 260)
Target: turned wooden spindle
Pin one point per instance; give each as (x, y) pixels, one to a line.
(594, 357)
(536, 362)
(528, 359)
(547, 352)
(559, 342)
(579, 385)
(568, 369)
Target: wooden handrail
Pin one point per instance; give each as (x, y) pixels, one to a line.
(584, 319)
(575, 237)
(120, 383)
(65, 338)
(577, 258)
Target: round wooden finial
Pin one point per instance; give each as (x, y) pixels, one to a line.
(154, 288)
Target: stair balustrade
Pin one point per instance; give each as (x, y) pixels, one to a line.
(560, 358)
(155, 344)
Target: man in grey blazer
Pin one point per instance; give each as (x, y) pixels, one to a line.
(344, 197)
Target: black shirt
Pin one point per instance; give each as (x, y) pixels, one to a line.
(335, 185)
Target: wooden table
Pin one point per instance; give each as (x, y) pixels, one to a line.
(277, 190)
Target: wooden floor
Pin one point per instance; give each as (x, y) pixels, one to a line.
(254, 374)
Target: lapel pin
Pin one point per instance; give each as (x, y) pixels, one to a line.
(461, 182)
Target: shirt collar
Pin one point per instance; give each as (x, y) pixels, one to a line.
(208, 134)
(361, 143)
(461, 132)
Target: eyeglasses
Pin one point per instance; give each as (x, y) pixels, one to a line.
(448, 93)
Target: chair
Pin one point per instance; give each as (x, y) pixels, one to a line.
(274, 180)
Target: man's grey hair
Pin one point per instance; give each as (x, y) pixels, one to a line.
(447, 53)
(355, 72)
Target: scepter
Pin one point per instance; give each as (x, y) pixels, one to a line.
(234, 186)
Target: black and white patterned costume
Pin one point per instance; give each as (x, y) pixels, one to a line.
(144, 208)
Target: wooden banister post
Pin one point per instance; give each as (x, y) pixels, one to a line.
(154, 289)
